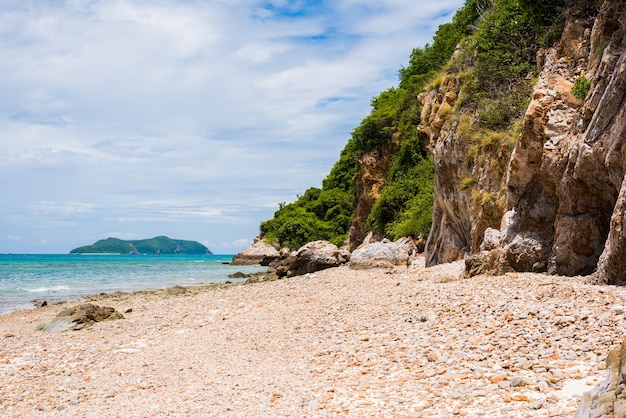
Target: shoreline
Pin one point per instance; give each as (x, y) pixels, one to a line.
(33, 278)
(340, 342)
(170, 290)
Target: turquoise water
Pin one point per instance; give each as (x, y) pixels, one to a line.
(24, 278)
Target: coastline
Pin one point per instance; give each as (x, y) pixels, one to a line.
(118, 296)
(54, 278)
(339, 342)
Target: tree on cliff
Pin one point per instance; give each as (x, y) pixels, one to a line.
(491, 45)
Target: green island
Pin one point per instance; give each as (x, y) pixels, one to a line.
(156, 245)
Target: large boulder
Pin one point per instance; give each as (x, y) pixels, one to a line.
(79, 317)
(384, 254)
(258, 253)
(314, 256)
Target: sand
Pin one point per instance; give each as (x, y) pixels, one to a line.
(412, 342)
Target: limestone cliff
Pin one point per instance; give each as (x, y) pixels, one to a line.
(564, 180)
(469, 176)
(369, 182)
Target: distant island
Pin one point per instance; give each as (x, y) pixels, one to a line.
(156, 245)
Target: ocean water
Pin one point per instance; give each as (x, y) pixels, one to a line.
(29, 277)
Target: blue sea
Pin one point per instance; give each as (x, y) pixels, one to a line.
(29, 277)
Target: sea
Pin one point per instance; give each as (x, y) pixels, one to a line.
(26, 278)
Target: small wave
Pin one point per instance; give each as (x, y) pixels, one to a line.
(47, 289)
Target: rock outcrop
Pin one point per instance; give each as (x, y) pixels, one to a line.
(258, 253)
(565, 183)
(469, 177)
(608, 398)
(79, 317)
(369, 183)
(314, 256)
(385, 254)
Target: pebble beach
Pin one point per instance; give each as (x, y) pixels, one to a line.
(407, 342)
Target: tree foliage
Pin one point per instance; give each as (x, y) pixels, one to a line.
(405, 205)
(319, 214)
(492, 46)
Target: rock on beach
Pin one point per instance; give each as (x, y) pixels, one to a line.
(79, 317)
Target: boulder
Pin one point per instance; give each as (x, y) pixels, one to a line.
(314, 256)
(491, 239)
(79, 317)
(258, 253)
(385, 254)
(608, 398)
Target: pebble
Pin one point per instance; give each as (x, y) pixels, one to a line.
(342, 343)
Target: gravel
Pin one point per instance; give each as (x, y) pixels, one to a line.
(409, 342)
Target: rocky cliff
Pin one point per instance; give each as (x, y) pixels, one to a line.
(563, 184)
(525, 122)
(469, 176)
(369, 182)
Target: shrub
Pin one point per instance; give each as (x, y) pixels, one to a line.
(466, 183)
(404, 207)
(581, 87)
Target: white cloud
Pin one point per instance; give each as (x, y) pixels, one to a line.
(210, 111)
(60, 208)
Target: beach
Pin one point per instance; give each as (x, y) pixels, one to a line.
(407, 342)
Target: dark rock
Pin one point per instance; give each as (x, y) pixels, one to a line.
(175, 290)
(312, 257)
(79, 317)
(261, 277)
(40, 303)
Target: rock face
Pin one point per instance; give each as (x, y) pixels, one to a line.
(314, 256)
(258, 253)
(607, 399)
(79, 317)
(565, 185)
(469, 192)
(385, 254)
(369, 183)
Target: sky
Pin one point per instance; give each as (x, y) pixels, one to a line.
(187, 118)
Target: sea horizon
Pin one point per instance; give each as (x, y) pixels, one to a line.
(27, 279)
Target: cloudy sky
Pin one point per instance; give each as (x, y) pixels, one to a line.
(186, 118)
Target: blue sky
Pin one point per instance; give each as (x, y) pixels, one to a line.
(192, 119)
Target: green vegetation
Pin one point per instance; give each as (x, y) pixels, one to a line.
(405, 205)
(581, 87)
(500, 55)
(490, 47)
(395, 112)
(319, 214)
(466, 183)
(156, 245)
